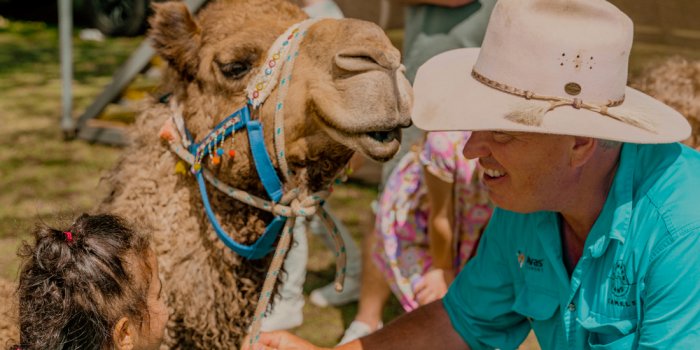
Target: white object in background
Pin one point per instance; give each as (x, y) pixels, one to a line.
(92, 34)
(323, 9)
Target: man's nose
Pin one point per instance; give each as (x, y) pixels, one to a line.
(477, 145)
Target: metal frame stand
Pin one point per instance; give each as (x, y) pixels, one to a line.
(136, 63)
(65, 26)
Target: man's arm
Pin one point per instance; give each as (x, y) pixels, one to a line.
(427, 327)
(445, 3)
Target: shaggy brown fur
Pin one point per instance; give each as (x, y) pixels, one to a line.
(9, 319)
(676, 82)
(345, 85)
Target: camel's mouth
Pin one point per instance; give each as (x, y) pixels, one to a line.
(384, 136)
(379, 145)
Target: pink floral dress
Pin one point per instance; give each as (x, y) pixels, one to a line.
(402, 214)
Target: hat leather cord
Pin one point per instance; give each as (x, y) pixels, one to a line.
(533, 115)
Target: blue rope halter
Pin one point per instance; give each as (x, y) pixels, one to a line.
(266, 172)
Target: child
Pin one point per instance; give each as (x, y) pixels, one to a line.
(94, 285)
(430, 217)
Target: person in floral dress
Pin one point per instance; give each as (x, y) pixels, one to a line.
(429, 219)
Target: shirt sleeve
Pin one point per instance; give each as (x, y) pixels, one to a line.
(480, 300)
(671, 309)
(440, 151)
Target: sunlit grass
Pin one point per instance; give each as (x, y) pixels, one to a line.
(42, 177)
(46, 179)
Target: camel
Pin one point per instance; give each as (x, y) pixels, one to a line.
(347, 94)
(8, 313)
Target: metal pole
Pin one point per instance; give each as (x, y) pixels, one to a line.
(65, 26)
(138, 60)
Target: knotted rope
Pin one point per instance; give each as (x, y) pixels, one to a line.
(534, 115)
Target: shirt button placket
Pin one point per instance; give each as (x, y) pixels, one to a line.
(571, 317)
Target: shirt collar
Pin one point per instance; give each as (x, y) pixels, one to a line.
(614, 219)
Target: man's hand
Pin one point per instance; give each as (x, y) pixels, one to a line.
(432, 286)
(280, 340)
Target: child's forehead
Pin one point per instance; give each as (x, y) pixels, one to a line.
(143, 266)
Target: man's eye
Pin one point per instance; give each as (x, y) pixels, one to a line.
(501, 137)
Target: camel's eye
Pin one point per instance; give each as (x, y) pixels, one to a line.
(235, 70)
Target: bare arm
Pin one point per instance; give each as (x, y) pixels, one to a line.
(445, 3)
(440, 220)
(427, 327)
(434, 282)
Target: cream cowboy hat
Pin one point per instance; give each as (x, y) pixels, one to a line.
(545, 66)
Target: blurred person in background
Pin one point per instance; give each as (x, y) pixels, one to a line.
(431, 27)
(287, 310)
(429, 219)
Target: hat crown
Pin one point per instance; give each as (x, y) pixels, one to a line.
(565, 48)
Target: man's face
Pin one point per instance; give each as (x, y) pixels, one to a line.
(524, 172)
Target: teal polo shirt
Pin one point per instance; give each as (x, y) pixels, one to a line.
(637, 285)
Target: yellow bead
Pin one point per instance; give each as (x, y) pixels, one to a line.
(180, 168)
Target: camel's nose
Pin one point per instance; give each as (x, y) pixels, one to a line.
(360, 59)
(404, 92)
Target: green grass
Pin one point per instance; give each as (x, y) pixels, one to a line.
(46, 179)
(42, 177)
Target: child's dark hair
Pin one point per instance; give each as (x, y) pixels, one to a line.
(76, 283)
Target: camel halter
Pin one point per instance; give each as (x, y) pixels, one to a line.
(276, 71)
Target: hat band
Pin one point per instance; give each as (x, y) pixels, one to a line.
(533, 115)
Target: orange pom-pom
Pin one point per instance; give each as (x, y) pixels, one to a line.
(215, 160)
(166, 135)
(231, 153)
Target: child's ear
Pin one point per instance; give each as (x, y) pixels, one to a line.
(123, 334)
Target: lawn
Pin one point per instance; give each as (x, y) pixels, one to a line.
(43, 177)
(46, 179)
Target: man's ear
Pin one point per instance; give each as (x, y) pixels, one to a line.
(582, 150)
(123, 334)
(176, 36)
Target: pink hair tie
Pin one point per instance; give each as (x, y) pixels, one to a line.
(69, 236)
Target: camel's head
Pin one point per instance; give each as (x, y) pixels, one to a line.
(347, 92)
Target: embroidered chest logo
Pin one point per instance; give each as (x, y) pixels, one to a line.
(530, 263)
(620, 287)
(521, 259)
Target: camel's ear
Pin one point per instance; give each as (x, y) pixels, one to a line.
(176, 36)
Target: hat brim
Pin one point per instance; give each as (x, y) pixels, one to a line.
(448, 98)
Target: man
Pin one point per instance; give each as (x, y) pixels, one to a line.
(595, 242)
